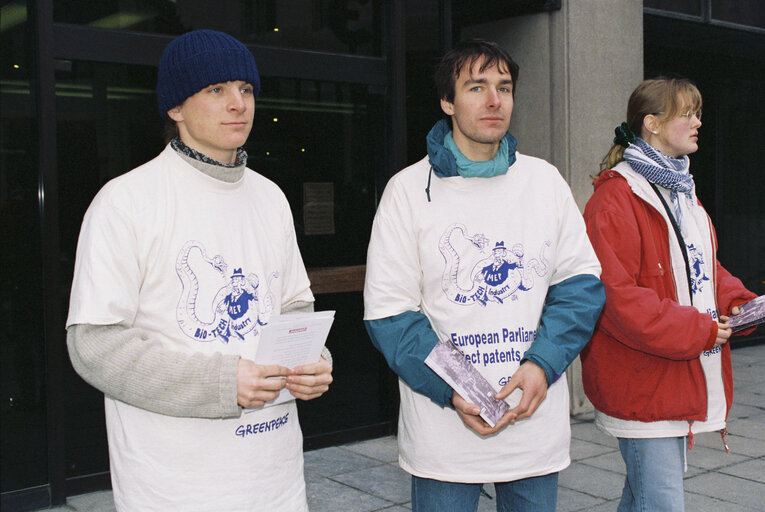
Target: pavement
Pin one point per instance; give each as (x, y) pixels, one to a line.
(365, 477)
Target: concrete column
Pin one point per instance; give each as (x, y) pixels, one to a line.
(578, 66)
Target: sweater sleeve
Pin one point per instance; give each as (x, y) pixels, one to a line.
(127, 364)
(568, 318)
(405, 340)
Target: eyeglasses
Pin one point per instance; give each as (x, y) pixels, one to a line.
(689, 115)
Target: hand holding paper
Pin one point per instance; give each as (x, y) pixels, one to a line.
(310, 381)
(294, 342)
(257, 384)
(474, 417)
(469, 386)
(750, 314)
(529, 378)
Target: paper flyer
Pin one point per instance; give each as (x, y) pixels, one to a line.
(450, 364)
(751, 314)
(292, 340)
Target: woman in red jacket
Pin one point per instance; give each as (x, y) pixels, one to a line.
(658, 367)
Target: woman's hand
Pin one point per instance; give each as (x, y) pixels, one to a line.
(723, 329)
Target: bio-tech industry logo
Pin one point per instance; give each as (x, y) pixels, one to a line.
(237, 307)
(477, 273)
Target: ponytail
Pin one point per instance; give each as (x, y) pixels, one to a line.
(613, 157)
(624, 137)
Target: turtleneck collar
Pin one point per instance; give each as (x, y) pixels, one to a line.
(230, 173)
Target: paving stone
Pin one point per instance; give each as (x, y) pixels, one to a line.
(384, 449)
(611, 461)
(591, 480)
(311, 477)
(699, 503)
(101, 501)
(746, 377)
(584, 417)
(751, 354)
(753, 395)
(583, 450)
(738, 445)
(387, 481)
(713, 441)
(335, 460)
(740, 491)
(572, 501)
(753, 469)
(587, 431)
(487, 505)
(712, 458)
(330, 496)
(744, 411)
(608, 506)
(748, 428)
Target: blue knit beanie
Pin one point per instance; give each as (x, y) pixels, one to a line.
(200, 58)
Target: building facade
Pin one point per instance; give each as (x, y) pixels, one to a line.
(347, 99)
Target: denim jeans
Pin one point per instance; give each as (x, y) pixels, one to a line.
(535, 494)
(654, 479)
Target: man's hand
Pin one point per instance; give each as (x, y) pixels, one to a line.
(253, 385)
(470, 416)
(310, 380)
(531, 379)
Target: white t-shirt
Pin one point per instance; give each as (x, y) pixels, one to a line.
(201, 264)
(478, 260)
(697, 235)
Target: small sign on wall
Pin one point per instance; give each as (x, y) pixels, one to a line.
(319, 208)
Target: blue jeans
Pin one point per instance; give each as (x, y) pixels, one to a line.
(654, 474)
(535, 494)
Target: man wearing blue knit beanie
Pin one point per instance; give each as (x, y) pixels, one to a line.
(180, 263)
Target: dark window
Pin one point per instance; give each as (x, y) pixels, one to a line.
(688, 7)
(743, 12)
(317, 140)
(107, 123)
(342, 26)
(23, 445)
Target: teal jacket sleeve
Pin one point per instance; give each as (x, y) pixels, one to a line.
(405, 340)
(571, 309)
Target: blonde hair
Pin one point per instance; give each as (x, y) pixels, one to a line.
(665, 98)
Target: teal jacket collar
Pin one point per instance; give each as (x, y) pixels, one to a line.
(442, 160)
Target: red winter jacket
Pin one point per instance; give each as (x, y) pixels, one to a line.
(643, 360)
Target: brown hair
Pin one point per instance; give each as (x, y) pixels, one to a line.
(665, 98)
(488, 53)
